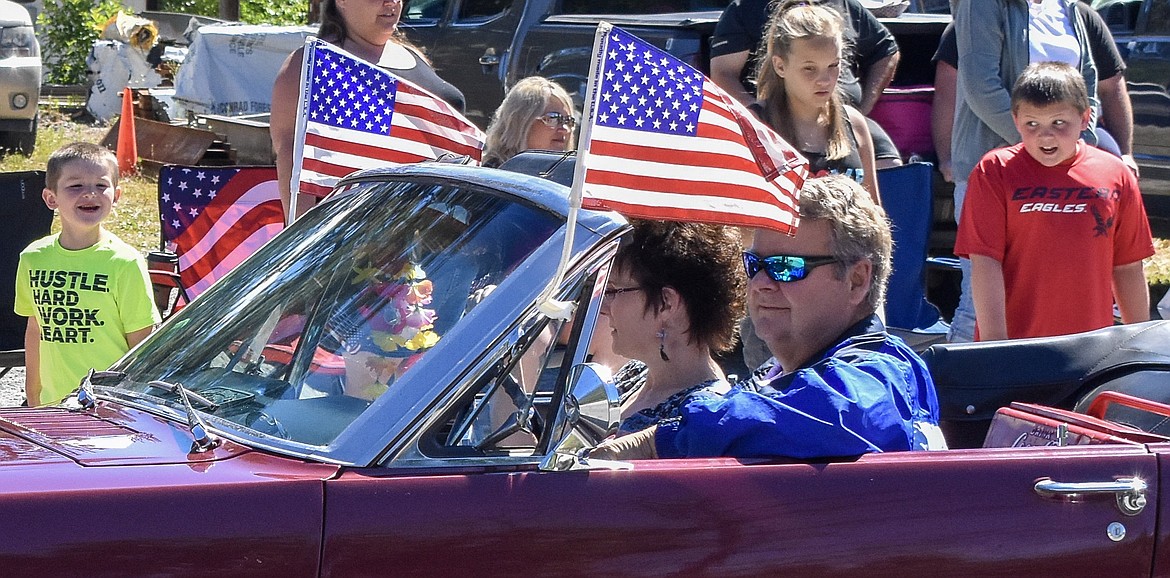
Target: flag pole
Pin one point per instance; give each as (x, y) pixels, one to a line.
(549, 304)
(299, 135)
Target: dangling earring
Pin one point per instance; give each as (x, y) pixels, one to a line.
(662, 344)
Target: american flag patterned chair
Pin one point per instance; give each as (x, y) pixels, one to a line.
(212, 218)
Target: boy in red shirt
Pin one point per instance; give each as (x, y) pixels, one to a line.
(1055, 229)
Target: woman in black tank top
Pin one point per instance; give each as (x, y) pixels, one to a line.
(797, 96)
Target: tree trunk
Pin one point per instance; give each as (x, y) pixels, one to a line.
(229, 10)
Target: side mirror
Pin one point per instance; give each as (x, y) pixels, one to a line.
(591, 413)
(593, 404)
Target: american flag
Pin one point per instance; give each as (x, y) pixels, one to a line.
(357, 116)
(664, 142)
(215, 217)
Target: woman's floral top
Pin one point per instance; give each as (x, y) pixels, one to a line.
(670, 408)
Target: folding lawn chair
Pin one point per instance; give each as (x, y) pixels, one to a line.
(26, 218)
(169, 293)
(908, 197)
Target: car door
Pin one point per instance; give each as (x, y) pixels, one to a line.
(468, 496)
(467, 46)
(472, 500)
(959, 513)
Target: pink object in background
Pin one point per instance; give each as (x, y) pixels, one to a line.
(905, 114)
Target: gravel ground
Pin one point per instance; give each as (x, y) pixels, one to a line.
(12, 387)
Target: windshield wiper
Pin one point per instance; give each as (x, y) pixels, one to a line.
(177, 387)
(86, 400)
(203, 439)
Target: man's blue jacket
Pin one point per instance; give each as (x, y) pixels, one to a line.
(868, 393)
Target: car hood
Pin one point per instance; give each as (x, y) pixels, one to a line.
(109, 435)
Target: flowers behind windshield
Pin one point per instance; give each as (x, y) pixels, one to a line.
(406, 322)
(390, 328)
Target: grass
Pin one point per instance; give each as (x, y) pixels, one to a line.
(135, 217)
(1158, 267)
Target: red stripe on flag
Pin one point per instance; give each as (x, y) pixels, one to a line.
(441, 114)
(405, 132)
(635, 210)
(679, 186)
(692, 158)
(361, 150)
(326, 169)
(253, 219)
(314, 189)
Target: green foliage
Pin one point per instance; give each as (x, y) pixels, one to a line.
(68, 29)
(251, 11)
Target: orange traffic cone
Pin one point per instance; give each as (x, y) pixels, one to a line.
(127, 141)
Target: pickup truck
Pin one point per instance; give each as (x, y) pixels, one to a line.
(485, 46)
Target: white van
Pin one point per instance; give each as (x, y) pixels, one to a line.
(20, 78)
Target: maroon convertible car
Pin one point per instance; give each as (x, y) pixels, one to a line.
(378, 392)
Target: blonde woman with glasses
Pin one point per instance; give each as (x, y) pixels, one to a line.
(537, 114)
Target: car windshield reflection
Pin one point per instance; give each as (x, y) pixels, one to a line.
(299, 340)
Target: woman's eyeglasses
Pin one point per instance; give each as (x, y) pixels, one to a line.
(783, 268)
(614, 292)
(556, 120)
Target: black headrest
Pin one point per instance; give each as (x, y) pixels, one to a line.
(555, 166)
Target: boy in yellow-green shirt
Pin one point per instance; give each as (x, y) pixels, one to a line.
(86, 293)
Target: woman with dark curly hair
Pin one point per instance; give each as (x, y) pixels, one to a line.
(674, 296)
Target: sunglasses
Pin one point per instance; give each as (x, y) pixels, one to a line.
(783, 268)
(556, 119)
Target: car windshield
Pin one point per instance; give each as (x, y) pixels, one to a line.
(301, 338)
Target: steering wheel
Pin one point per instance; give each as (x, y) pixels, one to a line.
(525, 419)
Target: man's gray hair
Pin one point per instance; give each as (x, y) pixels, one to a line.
(859, 227)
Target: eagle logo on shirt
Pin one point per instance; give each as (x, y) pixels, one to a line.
(1103, 224)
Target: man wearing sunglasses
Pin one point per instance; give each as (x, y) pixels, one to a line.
(840, 385)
